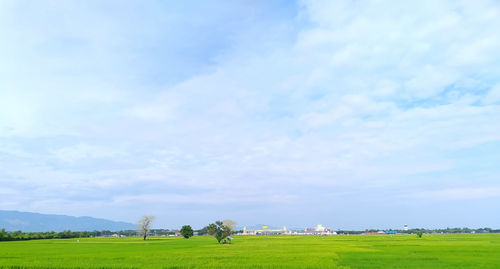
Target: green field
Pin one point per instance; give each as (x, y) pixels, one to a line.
(355, 251)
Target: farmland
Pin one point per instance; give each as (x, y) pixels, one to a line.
(371, 251)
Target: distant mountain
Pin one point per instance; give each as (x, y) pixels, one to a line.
(35, 222)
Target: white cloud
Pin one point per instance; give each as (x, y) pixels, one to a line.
(493, 95)
(83, 151)
(429, 82)
(461, 193)
(372, 94)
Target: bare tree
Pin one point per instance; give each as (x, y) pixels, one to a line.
(144, 225)
(231, 224)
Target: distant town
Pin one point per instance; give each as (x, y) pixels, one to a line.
(264, 230)
(317, 230)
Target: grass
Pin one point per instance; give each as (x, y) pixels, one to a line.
(371, 251)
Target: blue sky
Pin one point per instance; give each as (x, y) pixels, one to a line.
(352, 114)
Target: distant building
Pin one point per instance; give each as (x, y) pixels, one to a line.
(405, 228)
(265, 230)
(378, 232)
(319, 230)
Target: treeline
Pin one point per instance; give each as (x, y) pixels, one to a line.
(19, 235)
(453, 230)
(152, 232)
(428, 231)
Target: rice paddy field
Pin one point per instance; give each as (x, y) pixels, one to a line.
(342, 251)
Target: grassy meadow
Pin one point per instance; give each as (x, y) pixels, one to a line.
(354, 251)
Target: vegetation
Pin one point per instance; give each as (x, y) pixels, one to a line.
(187, 231)
(18, 235)
(144, 225)
(152, 232)
(360, 251)
(427, 231)
(221, 229)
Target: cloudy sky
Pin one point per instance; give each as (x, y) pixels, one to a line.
(353, 114)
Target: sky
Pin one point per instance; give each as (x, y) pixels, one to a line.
(352, 114)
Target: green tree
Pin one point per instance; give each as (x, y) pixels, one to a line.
(3, 235)
(221, 230)
(187, 231)
(419, 234)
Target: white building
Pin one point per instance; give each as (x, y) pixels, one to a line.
(265, 230)
(319, 229)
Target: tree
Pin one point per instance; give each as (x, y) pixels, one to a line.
(221, 229)
(3, 235)
(419, 234)
(231, 224)
(187, 231)
(144, 225)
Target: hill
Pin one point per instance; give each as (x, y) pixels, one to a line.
(35, 222)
